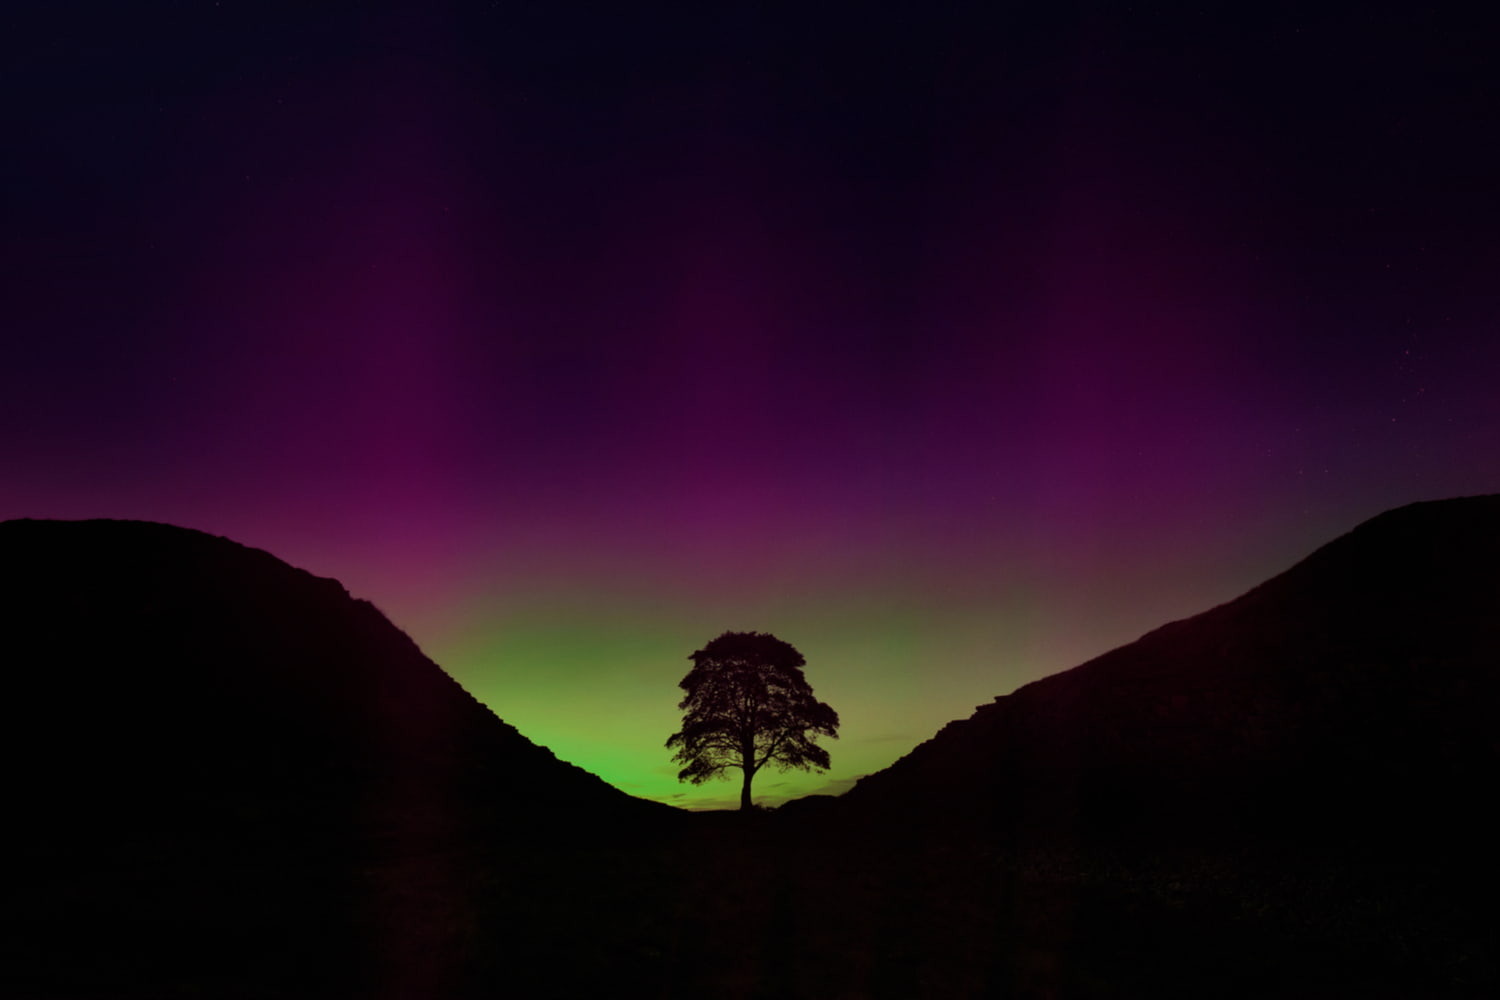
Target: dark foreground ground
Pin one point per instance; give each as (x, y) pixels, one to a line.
(281, 796)
(729, 906)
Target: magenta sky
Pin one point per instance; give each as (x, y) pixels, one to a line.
(951, 349)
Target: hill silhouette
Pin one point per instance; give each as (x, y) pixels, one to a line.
(1354, 694)
(218, 680)
(224, 756)
(227, 777)
(1294, 785)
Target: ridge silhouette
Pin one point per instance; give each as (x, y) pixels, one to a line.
(228, 777)
(219, 764)
(182, 653)
(1352, 695)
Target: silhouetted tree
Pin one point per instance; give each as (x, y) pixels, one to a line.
(747, 706)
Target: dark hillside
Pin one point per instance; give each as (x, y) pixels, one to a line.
(228, 778)
(1355, 694)
(1295, 785)
(165, 665)
(211, 753)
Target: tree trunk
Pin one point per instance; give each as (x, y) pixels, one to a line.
(745, 790)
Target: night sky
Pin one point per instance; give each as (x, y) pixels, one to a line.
(952, 344)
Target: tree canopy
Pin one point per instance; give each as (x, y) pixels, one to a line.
(749, 705)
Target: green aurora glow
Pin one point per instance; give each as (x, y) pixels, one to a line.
(592, 674)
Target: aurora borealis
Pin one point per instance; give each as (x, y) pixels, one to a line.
(952, 348)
